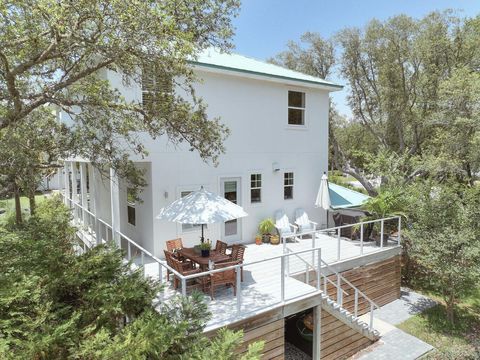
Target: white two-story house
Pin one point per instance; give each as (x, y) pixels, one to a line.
(275, 156)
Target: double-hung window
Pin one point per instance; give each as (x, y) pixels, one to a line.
(131, 216)
(288, 185)
(296, 108)
(255, 188)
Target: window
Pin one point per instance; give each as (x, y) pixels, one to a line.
(296, 108)
(288, 185)
(131, 218)
(190, 227)
(255, 188)
(157, 93)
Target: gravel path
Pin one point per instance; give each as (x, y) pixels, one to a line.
(293, 353)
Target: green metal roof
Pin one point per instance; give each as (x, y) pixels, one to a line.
(342, 197)
(234, 62)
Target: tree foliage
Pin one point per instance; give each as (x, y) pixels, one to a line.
(445, 238)
(57, 54)
(55, 304)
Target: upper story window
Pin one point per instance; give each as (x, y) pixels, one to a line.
(288, 185)
(131, 216)
(296, 108)
(255, 188)
(157, 90)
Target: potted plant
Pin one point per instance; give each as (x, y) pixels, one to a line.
(258, 239)
(205, 248)
(274, 239)
(266, 227)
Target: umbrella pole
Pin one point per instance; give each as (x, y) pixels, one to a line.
(202, 239)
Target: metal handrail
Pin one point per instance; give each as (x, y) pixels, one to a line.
(315, 269)
(359, 223)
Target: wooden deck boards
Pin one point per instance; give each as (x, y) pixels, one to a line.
(261, 288)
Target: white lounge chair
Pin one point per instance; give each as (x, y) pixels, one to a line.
(284, 227)
(303, 222)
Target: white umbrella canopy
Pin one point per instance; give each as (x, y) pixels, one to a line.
(201, 207)
(323, 196)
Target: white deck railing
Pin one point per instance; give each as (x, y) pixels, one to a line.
(279, 265)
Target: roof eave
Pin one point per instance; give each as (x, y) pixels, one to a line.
(223, 69)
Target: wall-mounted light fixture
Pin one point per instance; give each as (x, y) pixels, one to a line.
(165, 194)
(276, 166)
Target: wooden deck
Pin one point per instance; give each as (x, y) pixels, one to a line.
(261, 288)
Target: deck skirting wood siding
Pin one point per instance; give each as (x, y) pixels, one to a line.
(268, 327)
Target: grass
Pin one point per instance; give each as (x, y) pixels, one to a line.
(9, 205)
(458, 341)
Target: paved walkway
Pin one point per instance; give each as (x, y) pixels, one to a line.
(396, 344)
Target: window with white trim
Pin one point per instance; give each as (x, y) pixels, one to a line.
(296, 108)
(255, 188)
(131, 215)
(190, 227)
(288, 185)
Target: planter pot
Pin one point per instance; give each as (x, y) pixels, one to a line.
(275, 239)
(258, 240)
(266, 238)
(205, 253)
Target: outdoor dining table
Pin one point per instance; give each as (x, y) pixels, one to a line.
(203, 262)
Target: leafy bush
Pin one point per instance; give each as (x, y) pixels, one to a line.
(55, 304)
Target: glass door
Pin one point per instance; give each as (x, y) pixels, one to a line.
(230, 187)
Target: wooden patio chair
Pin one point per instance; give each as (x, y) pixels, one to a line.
(222, 278)
(182, 268)
(221, 247)
(177, 264)
(174, 244)
(238, 251)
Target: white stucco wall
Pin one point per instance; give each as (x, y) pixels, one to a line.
(256, 113)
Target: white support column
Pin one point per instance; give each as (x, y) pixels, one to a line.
(73, 169)
(115, 205)
(92, 176)
(317, 331)
(66, 185)
(83, 188)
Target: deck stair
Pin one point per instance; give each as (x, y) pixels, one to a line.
(333, 303)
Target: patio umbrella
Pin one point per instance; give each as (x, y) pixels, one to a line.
(201, 207)
(323, 196)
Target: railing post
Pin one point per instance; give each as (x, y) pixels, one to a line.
(371, 316)
(361, 238)
(307, 274)
(160, 273)
(313, 251)
(381, 233)
(399, 230)
(339, 289)
(325, 288)
(319, 267)
(355, 311)
(338, 244)
(238, 286)
(282, 272)
(184, 286)
(129, 251)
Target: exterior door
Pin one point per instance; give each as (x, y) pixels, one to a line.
(230, 188)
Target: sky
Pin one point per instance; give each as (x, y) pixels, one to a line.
(263, 27)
